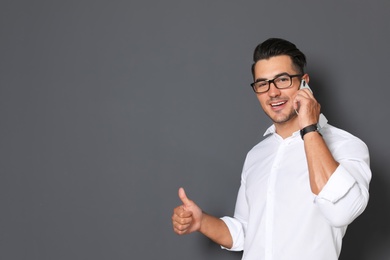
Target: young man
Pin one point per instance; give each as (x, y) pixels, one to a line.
(301, 186)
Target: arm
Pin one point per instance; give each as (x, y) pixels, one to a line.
(320, 161)
(339, 175)
(189, 218)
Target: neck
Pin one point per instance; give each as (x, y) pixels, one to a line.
(286, 129)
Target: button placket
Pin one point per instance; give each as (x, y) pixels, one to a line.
(271, 200)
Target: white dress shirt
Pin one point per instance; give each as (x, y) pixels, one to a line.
(277, 217)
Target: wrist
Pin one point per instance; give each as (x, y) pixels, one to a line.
(203, 223)
(308, 129)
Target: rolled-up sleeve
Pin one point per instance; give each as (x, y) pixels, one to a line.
(237, 225)
(237, 233)
(345, 196)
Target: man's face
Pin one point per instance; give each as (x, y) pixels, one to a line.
(277, 103)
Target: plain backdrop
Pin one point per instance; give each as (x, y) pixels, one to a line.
(108, 107)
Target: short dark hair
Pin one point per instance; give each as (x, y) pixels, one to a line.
(275, 47)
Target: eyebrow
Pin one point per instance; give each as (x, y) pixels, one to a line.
(277, 75)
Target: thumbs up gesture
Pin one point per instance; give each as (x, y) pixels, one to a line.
(187, 217)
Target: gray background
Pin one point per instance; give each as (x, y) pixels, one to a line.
(108, 107)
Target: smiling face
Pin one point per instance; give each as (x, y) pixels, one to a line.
(278, 103)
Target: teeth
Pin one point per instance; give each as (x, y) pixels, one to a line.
(277, 104)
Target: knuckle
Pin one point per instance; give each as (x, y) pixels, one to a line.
(182, 221)
(181, 228)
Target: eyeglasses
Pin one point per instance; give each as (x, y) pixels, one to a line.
(280, 82)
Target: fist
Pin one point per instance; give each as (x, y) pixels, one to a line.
(187, 217)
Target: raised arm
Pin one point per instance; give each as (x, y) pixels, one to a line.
(340, 173)
(321, 162)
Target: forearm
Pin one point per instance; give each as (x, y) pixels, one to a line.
(216, 229)
(320, 161)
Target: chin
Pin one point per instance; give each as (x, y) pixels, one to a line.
(280, 119)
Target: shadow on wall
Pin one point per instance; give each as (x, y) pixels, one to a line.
(368, 237)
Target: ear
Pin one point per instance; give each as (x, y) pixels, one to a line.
(306, 78)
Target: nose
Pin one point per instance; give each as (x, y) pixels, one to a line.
(273, 90)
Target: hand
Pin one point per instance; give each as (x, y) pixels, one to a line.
(307, 108)
(187, 217)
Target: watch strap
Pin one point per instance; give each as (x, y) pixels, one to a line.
(308, 129)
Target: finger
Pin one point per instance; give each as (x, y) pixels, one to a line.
(180, 230)
(180, 212)
(296, 103)
(177, 221)
(183, 197)
(304, 92)
(181, 225)
(302, 96)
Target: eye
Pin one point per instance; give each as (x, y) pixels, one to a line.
(261, 84)
(283, 78)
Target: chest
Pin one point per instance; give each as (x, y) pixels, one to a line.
(279, 173)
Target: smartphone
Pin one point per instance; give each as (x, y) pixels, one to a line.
(322, 120)
(305, 85)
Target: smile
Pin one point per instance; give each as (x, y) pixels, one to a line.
(278, 104)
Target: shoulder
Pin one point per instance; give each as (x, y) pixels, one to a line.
(339, 139)
(336, 134)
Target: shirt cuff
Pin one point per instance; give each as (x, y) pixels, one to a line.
(337, 186)
(237, 233)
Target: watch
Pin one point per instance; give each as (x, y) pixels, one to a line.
(308, 129)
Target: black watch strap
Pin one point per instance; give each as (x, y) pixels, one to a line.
(308, 129)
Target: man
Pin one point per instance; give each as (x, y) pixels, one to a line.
(301, 186)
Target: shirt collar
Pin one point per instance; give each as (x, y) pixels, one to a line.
(271, 129)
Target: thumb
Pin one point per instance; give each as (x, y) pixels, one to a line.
(183, 197)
